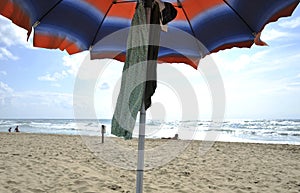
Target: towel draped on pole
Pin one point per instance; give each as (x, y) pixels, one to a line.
(141, 46)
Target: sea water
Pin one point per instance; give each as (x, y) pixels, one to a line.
(285, 131)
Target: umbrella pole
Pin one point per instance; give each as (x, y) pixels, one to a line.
(141, 144)
(141, 148)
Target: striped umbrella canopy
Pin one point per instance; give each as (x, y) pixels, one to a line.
(77, 25)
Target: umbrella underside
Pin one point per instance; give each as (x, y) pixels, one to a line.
(78, 25)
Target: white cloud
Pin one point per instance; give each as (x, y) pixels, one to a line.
(258, 56)
(3, 73)
(290, 23)
(104, 86)
(54, 77)
(281, 86)
(241, 62)
(234, 65)
(4, 88)
(56, 85)
(13, 35)
(5, 93)
(47, 98)
(73, 62)
(34, 104)
(6, 54)
(273, 34)
(294, 84)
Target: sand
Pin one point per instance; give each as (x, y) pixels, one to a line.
(60, 163)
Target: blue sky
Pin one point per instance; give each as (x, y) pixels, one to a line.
(260, 83)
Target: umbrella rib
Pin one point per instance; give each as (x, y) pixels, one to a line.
(101, 23)
(45, 14)
(130, 1)
(179, 5)
(251, 29)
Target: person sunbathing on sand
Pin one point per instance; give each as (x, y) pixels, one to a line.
(175, 137)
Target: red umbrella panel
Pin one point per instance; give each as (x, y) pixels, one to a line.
(77, 25)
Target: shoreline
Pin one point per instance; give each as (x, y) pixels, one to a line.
(149, 138)
(255, 131)
(65, 163)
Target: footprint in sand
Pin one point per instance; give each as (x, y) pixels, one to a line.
(36, 190)
(15, 190)
(11, 182)
(80, 186)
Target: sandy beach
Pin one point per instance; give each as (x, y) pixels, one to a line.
(61, 163)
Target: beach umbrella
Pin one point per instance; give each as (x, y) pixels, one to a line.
(77, 25)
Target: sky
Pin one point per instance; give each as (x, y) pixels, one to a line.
(259, 83)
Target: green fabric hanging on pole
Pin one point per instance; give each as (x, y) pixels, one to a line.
(135, 72)
(133, 77)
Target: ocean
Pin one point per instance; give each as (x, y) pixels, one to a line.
(285, 131)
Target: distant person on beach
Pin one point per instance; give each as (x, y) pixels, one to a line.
(9, 130)
(175, 137)
(17, 129)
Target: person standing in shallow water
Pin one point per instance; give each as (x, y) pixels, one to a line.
(17, 129)
(9, 130)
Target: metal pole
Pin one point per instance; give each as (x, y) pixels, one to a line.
(141, 144)
(141, 148)
(102, 138)
(103, 130)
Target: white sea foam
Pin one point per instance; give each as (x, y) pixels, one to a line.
(256, 131)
